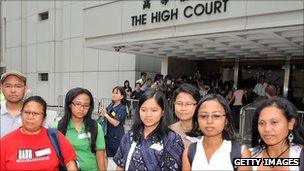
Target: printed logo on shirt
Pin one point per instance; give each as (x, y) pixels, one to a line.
(29, 155)
(113, 113)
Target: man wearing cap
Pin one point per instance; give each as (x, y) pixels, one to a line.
(13, 87)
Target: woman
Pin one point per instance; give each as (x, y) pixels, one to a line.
(29, 146)
(186, 97)
(238, 99)
(279, 134)
(82, 131)
(203, 89)
(212, 119)
(115, 114)
(150, 145)
(128, 91)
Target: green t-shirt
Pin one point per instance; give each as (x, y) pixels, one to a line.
(81, 144)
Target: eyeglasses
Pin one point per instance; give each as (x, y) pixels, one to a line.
(215, 116)
(10, 86)
(187, 105)
(28, 113)
(79, 105)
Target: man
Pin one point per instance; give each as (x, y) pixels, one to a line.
(270, 91)
(135, 96)
(137, 93)
(147, 85)
(142, 79)
(13, 87)
(259, 88)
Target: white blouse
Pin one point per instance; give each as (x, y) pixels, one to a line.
(220, 160)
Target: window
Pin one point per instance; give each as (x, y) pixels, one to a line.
(43, 76)
(44, 16)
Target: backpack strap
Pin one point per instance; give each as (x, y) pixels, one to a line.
(53, 136)
(302, 159)
(235, 152)
(191, 152)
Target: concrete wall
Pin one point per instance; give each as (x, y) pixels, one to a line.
(56, 46)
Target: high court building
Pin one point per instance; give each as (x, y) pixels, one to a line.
(99, 44)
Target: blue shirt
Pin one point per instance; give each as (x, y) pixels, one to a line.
(8, 122)
(119, 113)
(151, 153)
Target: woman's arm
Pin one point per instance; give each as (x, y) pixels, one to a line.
(119, 168)
(185, 161)
(71, 166)
(232, 98)
(101, 159)
(113, 121)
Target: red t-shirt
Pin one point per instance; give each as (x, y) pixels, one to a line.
(20, 151)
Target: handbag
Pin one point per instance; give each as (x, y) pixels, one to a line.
(53, 136)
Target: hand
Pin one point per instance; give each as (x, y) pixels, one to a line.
(102, 112)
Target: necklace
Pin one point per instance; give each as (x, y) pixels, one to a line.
(185, 129)
(278, 156)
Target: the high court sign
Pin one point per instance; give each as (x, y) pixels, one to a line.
(121, 22)
(199, 9)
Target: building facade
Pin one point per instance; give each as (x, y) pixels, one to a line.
(45, 41)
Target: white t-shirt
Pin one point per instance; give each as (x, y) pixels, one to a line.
(259, 89)
(220, 160)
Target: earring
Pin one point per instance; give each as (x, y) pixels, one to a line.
(259, 140)
(290, 137)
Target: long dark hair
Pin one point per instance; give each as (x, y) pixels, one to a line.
(229, 130)
(90, 125)
(162, 129)
(36, 99)
(122, 92)
(289, 110)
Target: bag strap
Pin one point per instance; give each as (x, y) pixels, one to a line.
(302, 159)
(53, 136)
(191, 152)
(235, 152)
(131, 151)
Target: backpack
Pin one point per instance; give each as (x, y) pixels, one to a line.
(235, 152)
(302, 159)
(53, 136)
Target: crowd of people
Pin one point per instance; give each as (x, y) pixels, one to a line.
(204, 136)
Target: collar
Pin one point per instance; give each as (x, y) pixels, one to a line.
(71, 126)
(3, 108)
(5, 111)
(225, 146)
